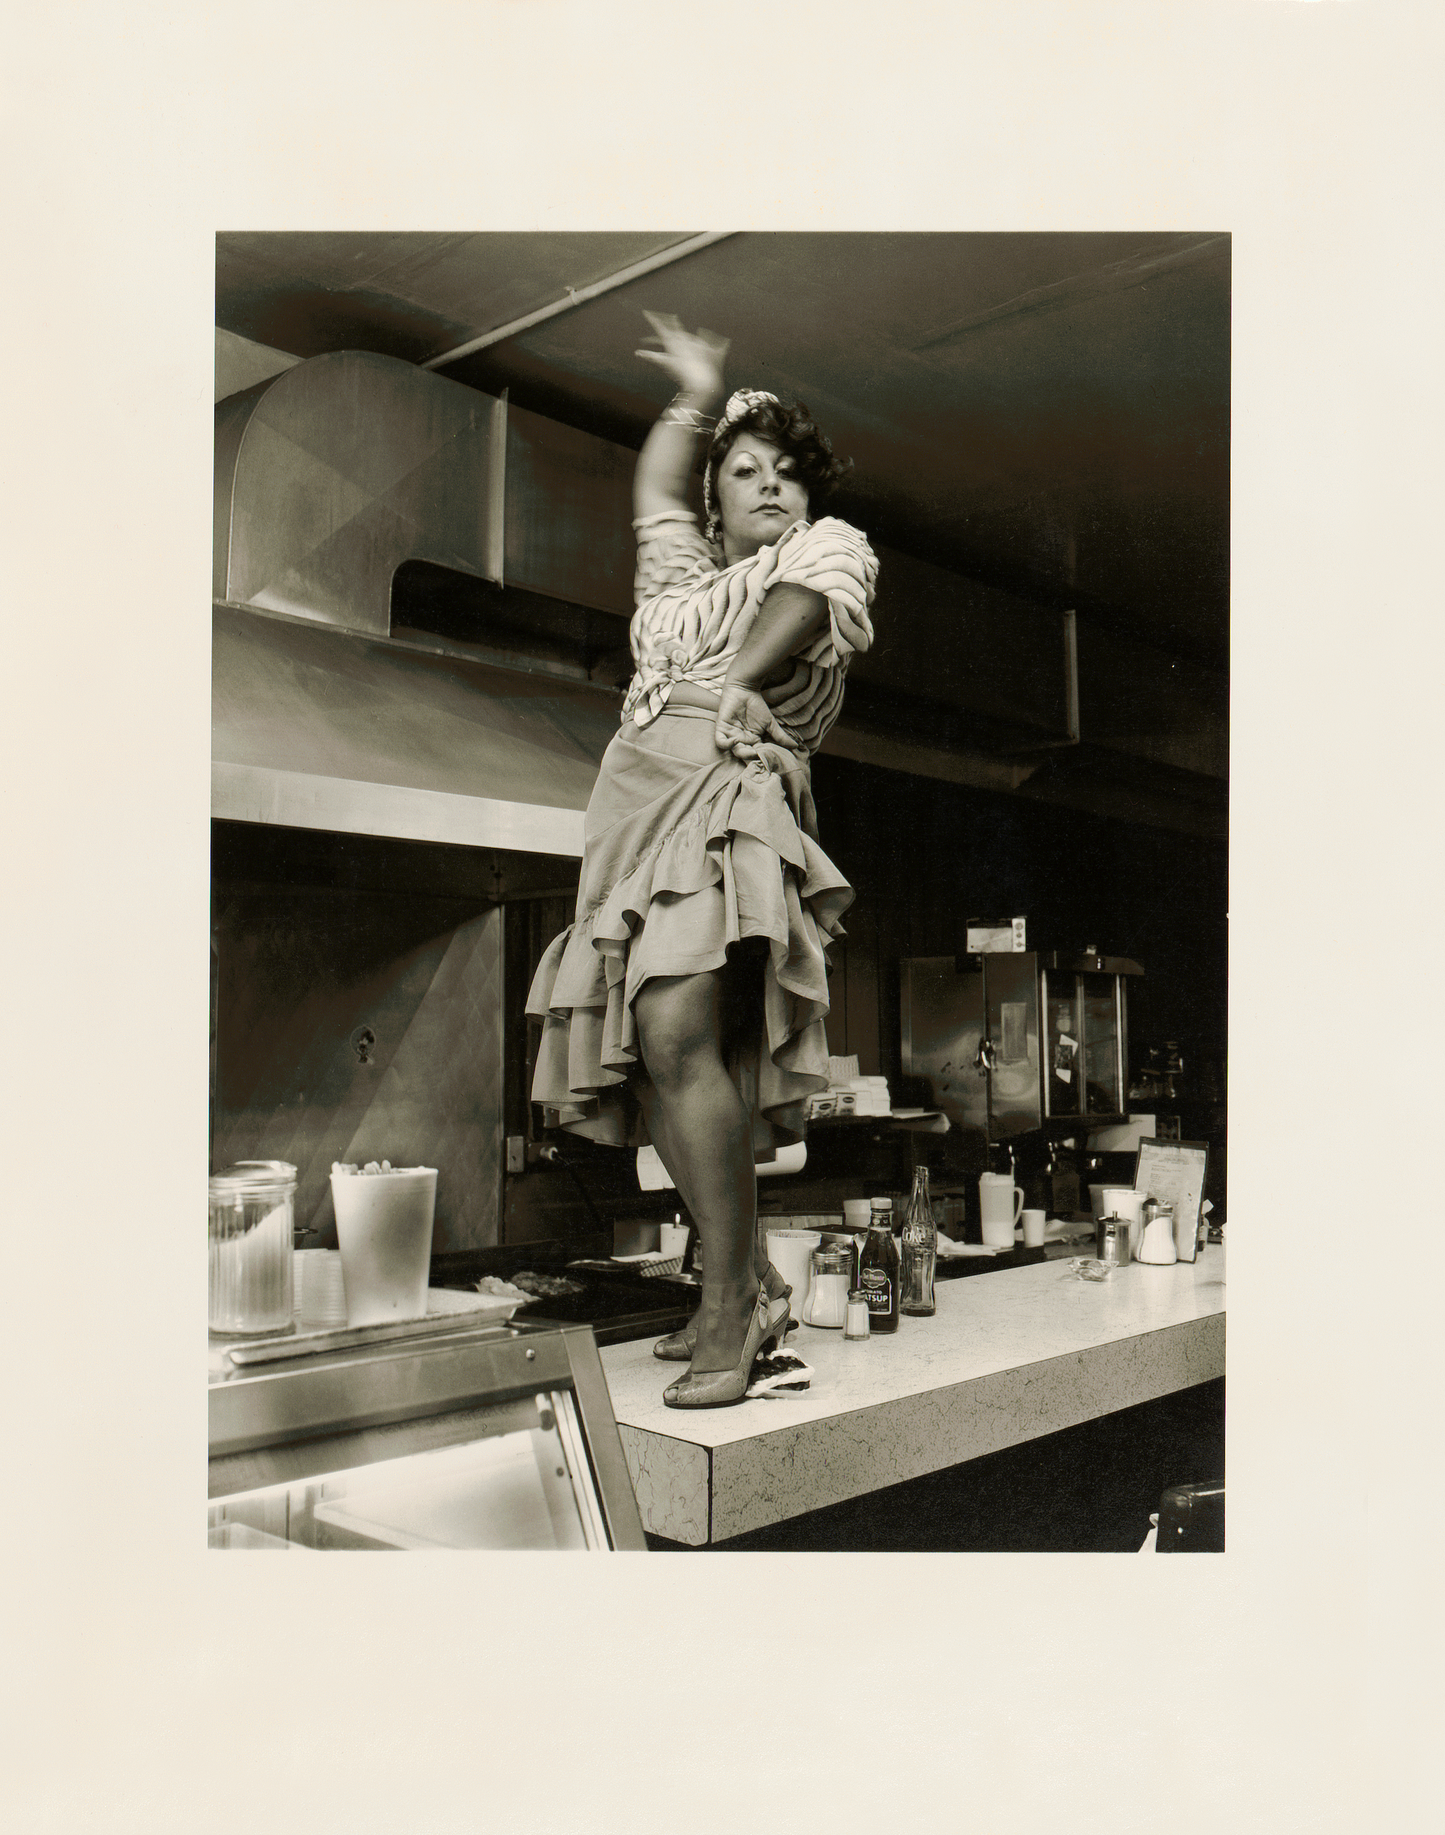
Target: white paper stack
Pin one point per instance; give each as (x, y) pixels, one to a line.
(873, 1098)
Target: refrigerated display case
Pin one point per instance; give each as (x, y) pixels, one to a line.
(436, 1434)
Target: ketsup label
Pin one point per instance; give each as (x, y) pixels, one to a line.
(877, 1290)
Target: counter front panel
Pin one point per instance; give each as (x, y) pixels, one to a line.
(1027, 1352)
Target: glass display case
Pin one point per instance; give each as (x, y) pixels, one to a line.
(1021, 1041)
(437, 1434)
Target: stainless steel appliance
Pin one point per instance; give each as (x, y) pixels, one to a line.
(1012, 1044)
(440, 1433)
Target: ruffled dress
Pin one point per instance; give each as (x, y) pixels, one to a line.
(689, 850)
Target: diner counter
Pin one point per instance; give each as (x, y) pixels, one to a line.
(1008, 1356)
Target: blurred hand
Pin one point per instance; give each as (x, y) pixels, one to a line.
(745, 721)
(693, 359)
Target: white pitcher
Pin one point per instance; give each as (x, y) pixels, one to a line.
(1000, 1205)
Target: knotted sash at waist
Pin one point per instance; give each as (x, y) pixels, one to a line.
(659, 781)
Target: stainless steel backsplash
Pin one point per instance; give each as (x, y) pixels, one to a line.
(355, 1025)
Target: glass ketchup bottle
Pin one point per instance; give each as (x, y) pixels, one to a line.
(880, 1268)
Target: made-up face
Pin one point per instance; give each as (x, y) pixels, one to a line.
(759, 494)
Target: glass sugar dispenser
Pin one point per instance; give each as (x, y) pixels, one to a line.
(827, 1301)
(252, 1216)
(920, 1249)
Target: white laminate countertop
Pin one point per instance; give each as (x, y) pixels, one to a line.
(1007, 1357)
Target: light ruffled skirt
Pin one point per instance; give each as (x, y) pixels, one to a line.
(688, 851)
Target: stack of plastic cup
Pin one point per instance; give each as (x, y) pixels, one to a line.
(320, 1289)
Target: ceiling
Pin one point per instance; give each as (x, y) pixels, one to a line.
(1049, 413)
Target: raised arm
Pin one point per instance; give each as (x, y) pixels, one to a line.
(694, 361)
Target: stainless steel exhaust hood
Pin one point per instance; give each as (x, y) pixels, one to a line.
(316, 728)
(340, 470)
(328, 477)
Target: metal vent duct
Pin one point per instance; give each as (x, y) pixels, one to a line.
(332, 474)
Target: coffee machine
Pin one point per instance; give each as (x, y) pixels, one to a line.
(1026, 1052)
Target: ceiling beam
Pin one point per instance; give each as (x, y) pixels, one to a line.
(578, 296)
(1117, 277)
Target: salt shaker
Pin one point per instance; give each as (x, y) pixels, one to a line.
(855, 1322)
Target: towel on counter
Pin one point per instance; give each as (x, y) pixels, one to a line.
(779, 1375)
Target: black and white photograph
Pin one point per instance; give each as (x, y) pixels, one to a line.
(704, 710)
(719, 782)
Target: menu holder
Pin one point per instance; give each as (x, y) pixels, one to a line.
(1172, 1172)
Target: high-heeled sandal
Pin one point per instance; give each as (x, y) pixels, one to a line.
(720, 1388)
(678, 1347)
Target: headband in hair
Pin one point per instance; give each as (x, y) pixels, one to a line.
(740, 404)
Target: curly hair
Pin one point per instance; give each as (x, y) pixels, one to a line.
(791, 428)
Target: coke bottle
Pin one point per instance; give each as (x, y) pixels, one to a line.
(920, 1248)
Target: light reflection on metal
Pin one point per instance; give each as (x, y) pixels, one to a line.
(294, 799)
(332, 474)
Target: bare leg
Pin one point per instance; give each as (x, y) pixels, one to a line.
(708, 1136)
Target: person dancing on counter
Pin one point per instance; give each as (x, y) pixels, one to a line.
(685, 1003)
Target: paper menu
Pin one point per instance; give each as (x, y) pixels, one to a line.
(1172, 1172)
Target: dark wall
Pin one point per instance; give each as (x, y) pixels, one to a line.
(357, 1011)
(926, 856)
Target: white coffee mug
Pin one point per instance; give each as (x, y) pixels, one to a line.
(1000, 1203)
(1034, 1222)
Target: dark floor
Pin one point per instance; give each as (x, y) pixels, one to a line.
(1088, 1490)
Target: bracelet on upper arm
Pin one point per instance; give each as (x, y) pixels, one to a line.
(675, 415)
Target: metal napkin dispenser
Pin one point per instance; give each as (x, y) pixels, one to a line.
(1011, 1044)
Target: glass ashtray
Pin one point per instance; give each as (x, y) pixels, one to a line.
(1088, 1268)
